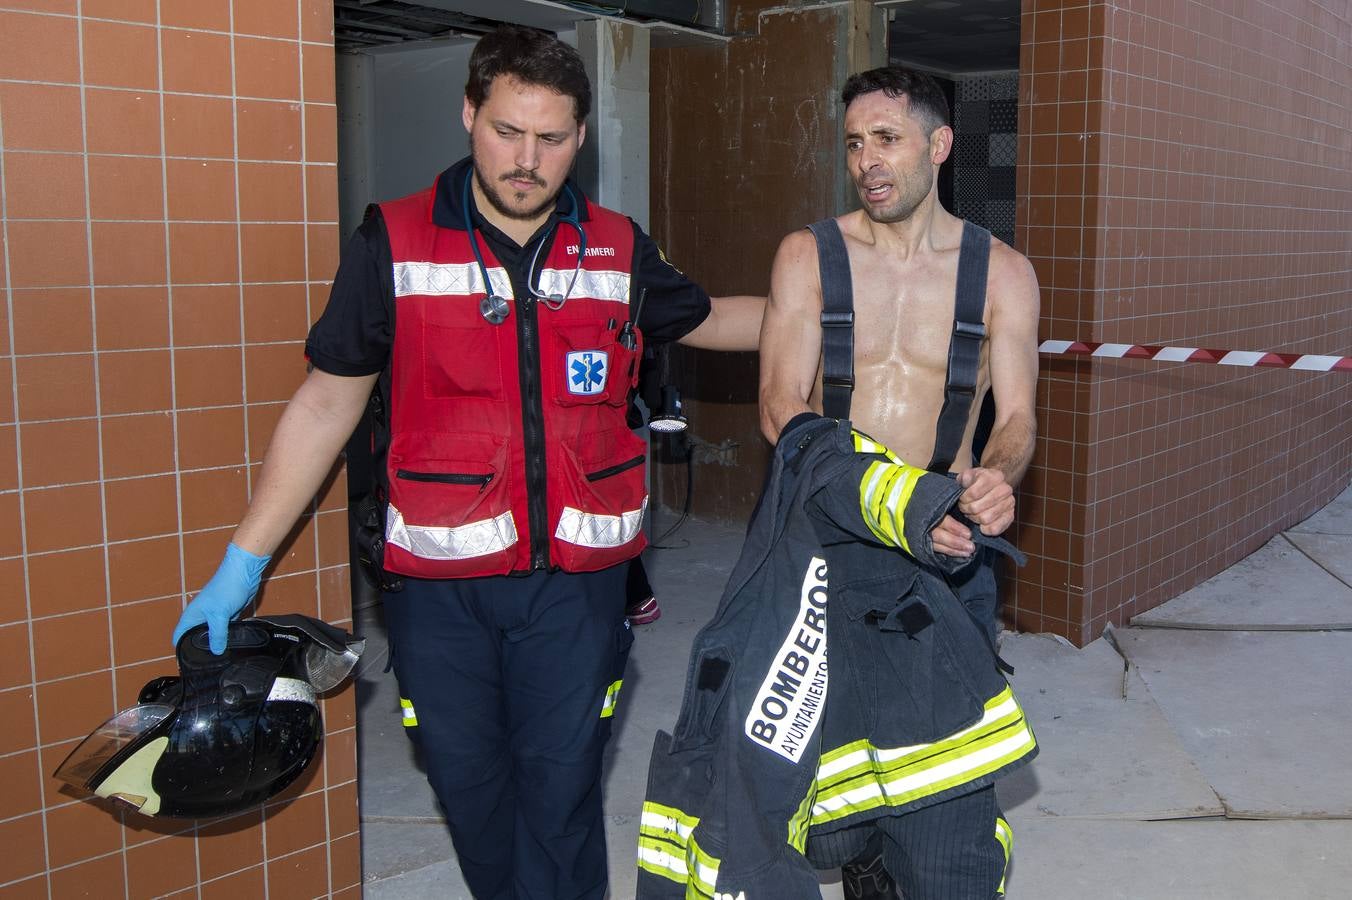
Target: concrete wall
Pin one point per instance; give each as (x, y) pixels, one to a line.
(399, 121)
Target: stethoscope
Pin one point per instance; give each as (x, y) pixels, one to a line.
(495, 308)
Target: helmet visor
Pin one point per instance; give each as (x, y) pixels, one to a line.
(86, 762)
(326, 668)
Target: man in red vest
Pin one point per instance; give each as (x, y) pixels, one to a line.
(492, 326)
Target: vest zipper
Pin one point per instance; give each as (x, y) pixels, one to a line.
(445, 477)
(616, 469)
(532, 426)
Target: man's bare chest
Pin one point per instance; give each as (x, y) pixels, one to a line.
(904, 321)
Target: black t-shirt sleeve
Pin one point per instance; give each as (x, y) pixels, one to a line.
(355, 333)
(674, 305)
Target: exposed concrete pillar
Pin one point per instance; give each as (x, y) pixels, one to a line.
(865, 47)
(613, 165)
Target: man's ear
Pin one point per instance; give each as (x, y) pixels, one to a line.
(581, 134)
(941, 144)
(467, 114)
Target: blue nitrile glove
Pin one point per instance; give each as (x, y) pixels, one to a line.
(228, 592)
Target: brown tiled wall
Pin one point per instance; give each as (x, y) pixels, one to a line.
(169, 227)
(1183, 181)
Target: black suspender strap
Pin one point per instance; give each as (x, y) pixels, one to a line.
(964, 348)
(837, 319)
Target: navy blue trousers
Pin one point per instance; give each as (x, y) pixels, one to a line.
(508, 685)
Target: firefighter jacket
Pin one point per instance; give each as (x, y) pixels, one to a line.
(508, 448)
(917, 710)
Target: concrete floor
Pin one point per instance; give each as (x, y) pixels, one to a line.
(1202, 753)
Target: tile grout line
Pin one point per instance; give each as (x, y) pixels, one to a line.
(173, 370)
(94, 356)
(251, 607)
(314, 503)
(23, 519)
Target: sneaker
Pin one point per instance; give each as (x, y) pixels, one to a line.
(644, 612)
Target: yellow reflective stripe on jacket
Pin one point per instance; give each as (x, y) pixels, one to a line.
(802, 819)
(612, 697)
(860, 777)
(667, 849)
(1005, 835)
(884, 492)
(406, 708)
(865, 444)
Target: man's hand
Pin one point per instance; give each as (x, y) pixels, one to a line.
(952, 538)
(987, 499)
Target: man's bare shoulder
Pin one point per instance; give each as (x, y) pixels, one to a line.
(796, 246)
(794, 278)
(1008, 261)
(797, 256)
(1011, 279)
(855, 226)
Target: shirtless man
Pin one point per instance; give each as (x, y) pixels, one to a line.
(903, 250)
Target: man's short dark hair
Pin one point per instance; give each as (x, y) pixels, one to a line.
(534, 57)
(926, 99)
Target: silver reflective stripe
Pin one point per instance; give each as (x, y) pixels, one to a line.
(597, 531)
(459, 542)
(292, 689)
(612, 286)
(447, 279)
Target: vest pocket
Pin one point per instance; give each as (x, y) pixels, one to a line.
(598, 505)
(591, 366)
(904, 658)
(460, 362)
(450, 506)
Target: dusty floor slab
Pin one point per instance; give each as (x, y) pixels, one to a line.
(391, 849)
(1101, 755)
(1277, 586)
(1200, 859)
(1335, 518)
(1260, 712)
(1332, 552)
(392, 783)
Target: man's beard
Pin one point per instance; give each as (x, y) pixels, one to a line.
(494, 196)
(909, 197)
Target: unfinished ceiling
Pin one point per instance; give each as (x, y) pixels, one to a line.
(955, 36)
(371, 25)
(948, 36)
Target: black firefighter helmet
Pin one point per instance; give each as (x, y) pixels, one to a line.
(228, 732)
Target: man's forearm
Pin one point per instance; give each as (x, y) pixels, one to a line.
(311, 432)
(1010, 448)
(734, 323)
(775, 412)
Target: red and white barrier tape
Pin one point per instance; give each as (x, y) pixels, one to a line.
(1307, 361)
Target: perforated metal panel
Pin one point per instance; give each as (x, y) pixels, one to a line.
(986, 119)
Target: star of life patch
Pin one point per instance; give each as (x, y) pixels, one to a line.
(585, 371)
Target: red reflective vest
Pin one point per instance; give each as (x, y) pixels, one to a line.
(508, 448)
